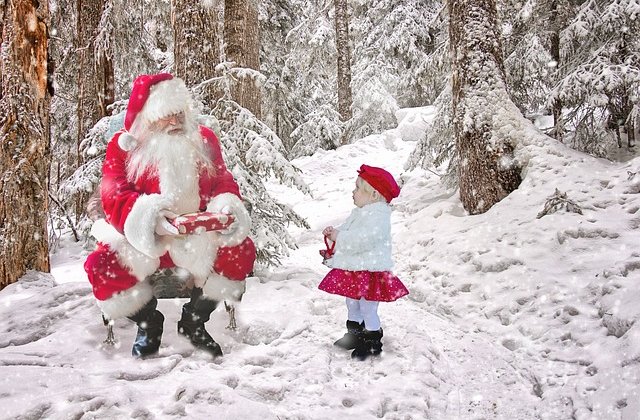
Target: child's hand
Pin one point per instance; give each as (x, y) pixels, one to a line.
(330, 232)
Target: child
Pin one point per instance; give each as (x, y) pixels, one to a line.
(359, 253)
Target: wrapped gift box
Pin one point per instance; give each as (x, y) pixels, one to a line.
(201, 222)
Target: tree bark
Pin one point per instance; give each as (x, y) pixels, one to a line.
(555, 56)
(197, 47)
(24, 139)
(344, 61)
(487, 172)
(95, 79)
(242, 45)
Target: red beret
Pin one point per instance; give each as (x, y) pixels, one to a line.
(381, 180)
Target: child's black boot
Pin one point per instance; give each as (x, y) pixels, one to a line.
(369, 344)
(349, 341)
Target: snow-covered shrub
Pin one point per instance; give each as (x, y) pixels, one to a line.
(253, 153)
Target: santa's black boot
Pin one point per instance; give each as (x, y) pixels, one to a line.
(349, 340)
(149, 321)
(194, 315)
(369, 344)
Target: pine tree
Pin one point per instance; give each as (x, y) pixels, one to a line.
(24, 139)
(282, 106)
(322, 130)
(533, 61)
(400, 59)
(311, 69)
(254, 153)
(601, 76)
(438, 146)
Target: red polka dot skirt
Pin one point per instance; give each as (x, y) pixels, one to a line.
(378, 286)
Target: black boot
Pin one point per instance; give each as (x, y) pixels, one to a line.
(350, 339)
(194, 315)
(369, 344)
(149, 322)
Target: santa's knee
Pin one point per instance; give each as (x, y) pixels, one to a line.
(236, 262)
(119, 281)
(127, 302)
(219, 287)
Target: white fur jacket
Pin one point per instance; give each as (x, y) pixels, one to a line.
(364, 240)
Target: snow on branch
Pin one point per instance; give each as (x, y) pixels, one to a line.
(558, 201)
(254, 153)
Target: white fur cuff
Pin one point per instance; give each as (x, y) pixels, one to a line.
(128, 302)
(138, 263)
(140, 226)
(239, 230)
(220, 288)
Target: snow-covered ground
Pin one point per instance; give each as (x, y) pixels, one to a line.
(509, 317)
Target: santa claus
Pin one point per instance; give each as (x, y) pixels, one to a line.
(163, 165)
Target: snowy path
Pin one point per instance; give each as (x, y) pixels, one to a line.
(279, 364)
(503, 320)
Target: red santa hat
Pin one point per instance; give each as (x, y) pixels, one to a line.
(381, 180)
(153, 96)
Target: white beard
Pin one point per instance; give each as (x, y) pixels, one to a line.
(176, 160)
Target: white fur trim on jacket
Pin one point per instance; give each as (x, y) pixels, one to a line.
(138, 263)
(140, 226)
(219, 288)
(128, 302)
(239, 230)
(364, 240)
(166, 98)
(195, 253)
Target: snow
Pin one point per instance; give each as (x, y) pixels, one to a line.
(509, 316)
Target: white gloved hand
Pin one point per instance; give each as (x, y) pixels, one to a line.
(233, 226)
(239, 229)
(163, 227)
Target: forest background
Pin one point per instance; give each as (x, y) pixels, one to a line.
(280, 79)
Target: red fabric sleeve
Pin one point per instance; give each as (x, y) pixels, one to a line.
(118, 195)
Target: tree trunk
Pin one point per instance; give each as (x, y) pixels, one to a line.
(95, 79)
(24, 139)
(487, 172)
(555, 56)
(241, 38)
(196, 47)
(344, 61)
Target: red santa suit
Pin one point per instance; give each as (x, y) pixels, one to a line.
(129, 250)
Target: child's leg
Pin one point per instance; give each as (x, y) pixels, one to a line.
(354, 326)
(353, 310)
(369, 311)
(369, 343)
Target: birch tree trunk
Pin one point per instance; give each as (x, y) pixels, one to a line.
(197, 47)
(24, 139)
(487, 170)
(344, 61)
(242, 45)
